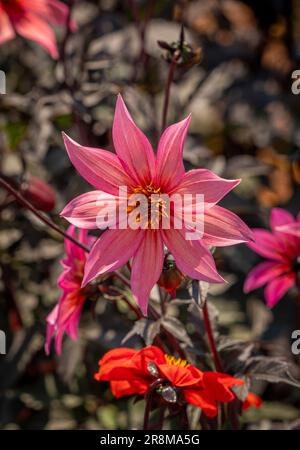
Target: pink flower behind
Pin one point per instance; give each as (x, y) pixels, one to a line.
(282, 251)
(65, 316)
(30, 19)
(136, 167)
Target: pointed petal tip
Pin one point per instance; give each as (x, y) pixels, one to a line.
(220, 280)
(233, 183)
(215, 279)
(142, 303)
(251, 235)
(120, 101)
(64, 214)
(236, 182)
(55, 55)
(246, 288)
(248, 234)
(187, 120)
(66, 139)
(144, 311)
(58, 349)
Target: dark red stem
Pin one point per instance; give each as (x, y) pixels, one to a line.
(149, 398)
(168, 88)
(20, 199)
(211, 338)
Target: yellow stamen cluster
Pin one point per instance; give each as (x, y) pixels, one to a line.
(148, 190)
(157, 207)
(172, 361)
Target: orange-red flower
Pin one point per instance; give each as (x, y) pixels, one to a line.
(132, 372)
(252, 400)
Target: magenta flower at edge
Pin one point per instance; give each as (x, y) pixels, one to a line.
(31, 19)
(65, 316)
(136, 167)
(282, 251)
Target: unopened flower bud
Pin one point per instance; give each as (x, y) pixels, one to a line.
(171, 278)
(186, 54)
(39, 193)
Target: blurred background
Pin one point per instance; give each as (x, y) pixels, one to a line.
(245, 124)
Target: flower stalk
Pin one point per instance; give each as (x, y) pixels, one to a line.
(211, 339)
(148, 399)
(170, 78)
(173, 63)
(232, 415)
(46, 220)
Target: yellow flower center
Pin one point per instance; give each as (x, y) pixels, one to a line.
(148, 190)
(156, 208)
(172, 361)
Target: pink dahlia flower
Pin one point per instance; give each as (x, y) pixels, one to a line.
(135, 167)
(31, 19)
(282, 251)
(65, 316)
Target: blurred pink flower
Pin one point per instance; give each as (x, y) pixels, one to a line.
(136, 167)
(65, 316)
(282, 251)
(31, 19)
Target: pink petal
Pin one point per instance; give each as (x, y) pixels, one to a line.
(291, 228)
(73, 250)
(72, 324)
(280, 217)
(111, 251)
(99, 167)
(192, 257)
(52, 11)
(67, 282)
(266, 244)
(262, 274)
(6, 30)
(222, 228)
(70, 307)
(169, 162)
(59, 13)
(32, 27)
(205, 182)
(51, 328)
(132, 146)
(276, 289)
(84, 237)
(92, 210)
(147, 267)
